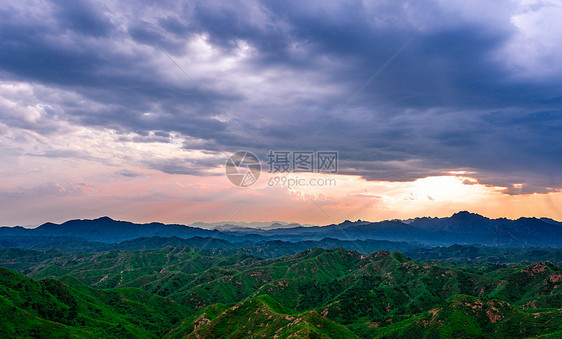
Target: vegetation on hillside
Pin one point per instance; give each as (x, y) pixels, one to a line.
(179, 291)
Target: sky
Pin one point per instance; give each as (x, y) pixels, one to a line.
(131, 110)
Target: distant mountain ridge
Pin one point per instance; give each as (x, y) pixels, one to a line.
(460, 228)
(107, 230)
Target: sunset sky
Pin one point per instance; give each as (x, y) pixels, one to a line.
(131, 109)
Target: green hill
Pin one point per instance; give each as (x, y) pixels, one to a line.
(176, 290)
(463, 316)
(52, 308)
(259, 317)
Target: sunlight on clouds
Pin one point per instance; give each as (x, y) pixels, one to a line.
(146, 177)
(535, 50)
(107, 123)
(355, 198)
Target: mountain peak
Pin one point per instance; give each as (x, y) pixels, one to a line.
(104, 218)
(467, 215)
(463, 213)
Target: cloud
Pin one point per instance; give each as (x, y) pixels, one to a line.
(199, 167)
(476, 89)
(82, 17)
(534, 52)
(129, 173)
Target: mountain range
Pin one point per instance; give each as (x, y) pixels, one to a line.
(464, 276)
(460, 228)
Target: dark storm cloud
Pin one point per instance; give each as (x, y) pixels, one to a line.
(83, 17)
(444, 103)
